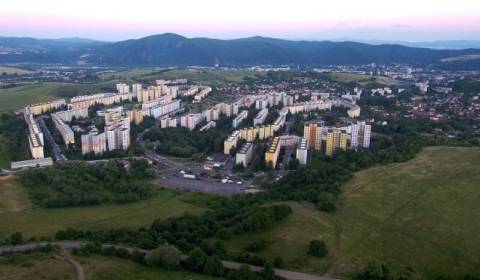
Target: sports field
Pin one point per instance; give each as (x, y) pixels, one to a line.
(421, 214)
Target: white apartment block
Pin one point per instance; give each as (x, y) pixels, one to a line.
(65, 131)
(123, 88)
(260, 118)
(68, 115)
(136, 88)
(168, 122)
(94, 142)
(209, 125)
(238, 120)
(302, 151)
(245, 154)
(164, 109)
(190, 121)
(360, 135)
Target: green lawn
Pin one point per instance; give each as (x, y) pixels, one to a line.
(17, 214)
(17, 97)
(422, 213)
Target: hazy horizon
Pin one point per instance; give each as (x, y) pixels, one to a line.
(409, 20)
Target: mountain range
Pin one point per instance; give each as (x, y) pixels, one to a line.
(174, 50)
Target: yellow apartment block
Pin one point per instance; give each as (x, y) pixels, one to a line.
(273, 152)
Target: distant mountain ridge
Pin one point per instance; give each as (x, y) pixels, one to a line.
(171, 49)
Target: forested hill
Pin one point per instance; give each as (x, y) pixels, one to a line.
(175, 50)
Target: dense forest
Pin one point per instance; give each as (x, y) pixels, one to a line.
(181, 142)
(76, 184)
(13, 139)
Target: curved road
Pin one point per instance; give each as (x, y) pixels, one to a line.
(289, 275)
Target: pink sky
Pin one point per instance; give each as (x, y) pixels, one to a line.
(412, 20)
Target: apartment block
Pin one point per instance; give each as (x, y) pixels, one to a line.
(231, 142)
(302, 151)
(41, 108)
(260, 118)
(336, 139)
(238, 120)
(190, 121)
(360, 135)
(94, 142)
(65, 131)
(245, 154)
(312, 132)
(67, 116)
(123, 88)
(271, 156)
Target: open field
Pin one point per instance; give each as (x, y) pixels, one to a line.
(421, 213)
(17, 214)
(17, 97)
(111, 268)
(361, 79)
(203, 77)
(54, 266)
(35, 266)
(14, 70)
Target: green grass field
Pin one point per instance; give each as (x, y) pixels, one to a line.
(36, 266)
(17, 97)
(362, 79)
(17, 213)
(203, 77)
(52, 266)
(111, 268)
(422, 213)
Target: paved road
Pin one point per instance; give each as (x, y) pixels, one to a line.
(56, 151)
(289, 275)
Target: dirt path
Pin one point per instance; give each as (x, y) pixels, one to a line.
(78, 267)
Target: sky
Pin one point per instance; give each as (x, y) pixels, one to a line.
(110, 20)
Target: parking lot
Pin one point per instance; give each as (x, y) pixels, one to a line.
(202, 185)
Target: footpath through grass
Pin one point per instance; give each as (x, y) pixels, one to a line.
(421, 214)
(17, 214)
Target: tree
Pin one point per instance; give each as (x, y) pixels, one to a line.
(165, 255)
(213, 266)
(326, 202)
(268, 273)
(245, 273)
(278, 262)
(317, 248)
(196, 260)
(375, 271)
(16, 238)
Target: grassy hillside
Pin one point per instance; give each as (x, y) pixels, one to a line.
(111, 268)
(54, 266)
(420, 213)
(17, 213)
(203, 77)
(17, 97)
